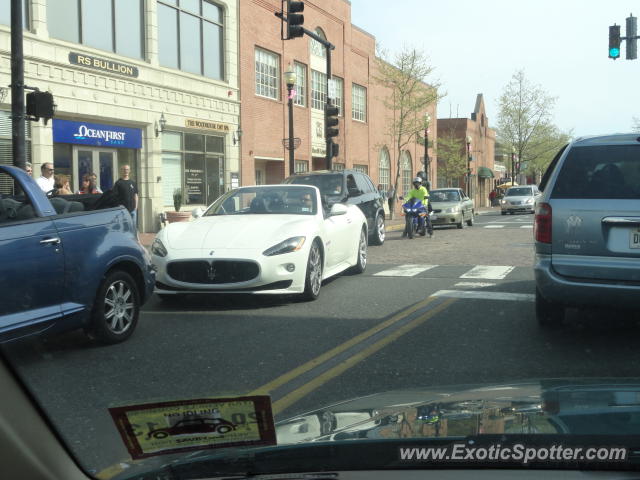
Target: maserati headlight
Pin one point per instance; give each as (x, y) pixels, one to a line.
(157, 248)
(292, 244)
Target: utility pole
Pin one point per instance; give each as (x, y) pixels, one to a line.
(17, 87)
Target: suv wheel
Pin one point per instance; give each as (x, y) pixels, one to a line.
(378, 234)
(548, 314)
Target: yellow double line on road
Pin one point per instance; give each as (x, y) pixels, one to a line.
(292, 397)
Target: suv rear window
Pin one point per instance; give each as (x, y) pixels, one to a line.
(603, 171)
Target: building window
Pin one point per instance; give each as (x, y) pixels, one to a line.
(5, 13)
(361, 168)
(318, 90)
(193, 163)
(267, 74)
(337, 166)
(111, 25)
(6, 149)
(191, 37)
(339, 100)
(384, 168)
(259, 177)
(406, 171)
(359, 103)
(301, 166)
(301, 84)
(316, 47)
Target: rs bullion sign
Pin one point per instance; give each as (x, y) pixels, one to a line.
(83, 133)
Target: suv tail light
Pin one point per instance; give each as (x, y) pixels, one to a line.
(542, 223)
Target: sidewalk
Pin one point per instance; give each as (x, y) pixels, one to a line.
(394, 225)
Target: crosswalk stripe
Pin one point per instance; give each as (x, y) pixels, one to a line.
(475, 295)
(405, 271)
(474, 284)
(494, 226)
(488, 272)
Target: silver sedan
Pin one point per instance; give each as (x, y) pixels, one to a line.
(451, 206)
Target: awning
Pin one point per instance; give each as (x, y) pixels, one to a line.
(484, 172)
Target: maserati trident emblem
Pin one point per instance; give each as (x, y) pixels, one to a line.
(211, 273)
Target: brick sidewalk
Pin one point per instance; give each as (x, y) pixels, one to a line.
(392, 225)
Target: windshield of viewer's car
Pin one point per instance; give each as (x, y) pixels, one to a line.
(266, 200)
(444, 196)
(518, 192)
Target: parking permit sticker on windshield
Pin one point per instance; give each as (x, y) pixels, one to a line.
(160, 428)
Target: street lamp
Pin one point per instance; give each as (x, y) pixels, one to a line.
(427, 121)
(468, 166)
(513, 164)
(290, 78)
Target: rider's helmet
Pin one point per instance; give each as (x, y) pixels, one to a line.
(417, 180)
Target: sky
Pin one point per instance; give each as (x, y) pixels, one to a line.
(476, 47)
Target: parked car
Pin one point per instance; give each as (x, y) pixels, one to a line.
(69, 262)
(519, 199)
(271, 239)
(451, 206)
(350, 187)
(587, 227)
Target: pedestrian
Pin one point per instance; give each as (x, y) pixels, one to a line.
(28, 168)
(61, 184)
(46, 181)
(127, 190)
(390, 194)
(88, 186)
(492, 198)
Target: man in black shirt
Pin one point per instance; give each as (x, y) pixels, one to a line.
(127, 190)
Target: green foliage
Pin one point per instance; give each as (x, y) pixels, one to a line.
(452, 158)
(525, 123)
(403, 76)
(177, 199)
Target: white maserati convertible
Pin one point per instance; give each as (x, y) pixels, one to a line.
(273, 239)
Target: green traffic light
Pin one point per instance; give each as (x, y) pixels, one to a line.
(614, 52)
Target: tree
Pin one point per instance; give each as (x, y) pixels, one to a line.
(403, 77)
(452, 158)
(525, 123)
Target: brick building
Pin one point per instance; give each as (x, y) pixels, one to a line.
(482, 150)
(365, 143)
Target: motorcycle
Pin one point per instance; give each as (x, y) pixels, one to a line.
(415, 214)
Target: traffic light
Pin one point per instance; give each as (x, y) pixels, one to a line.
(330, 128)
(632, 40)
(40, 105)
(295, 19)
(614, 41)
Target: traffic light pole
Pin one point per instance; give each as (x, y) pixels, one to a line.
(329, 141)
(17, 87)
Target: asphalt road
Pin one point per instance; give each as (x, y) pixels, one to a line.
(454, 309)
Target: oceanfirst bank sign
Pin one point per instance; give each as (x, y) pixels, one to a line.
(95, 134)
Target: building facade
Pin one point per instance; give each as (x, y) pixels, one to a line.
(149, 83)
(364, 138)
(481, 149)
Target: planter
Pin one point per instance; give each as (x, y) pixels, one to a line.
(178, 216)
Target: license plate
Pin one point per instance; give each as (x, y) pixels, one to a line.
(634, 238)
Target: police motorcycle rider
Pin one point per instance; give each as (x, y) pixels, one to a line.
(421, 194)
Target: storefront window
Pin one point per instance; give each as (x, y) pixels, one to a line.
(195, 164)
(6, 148)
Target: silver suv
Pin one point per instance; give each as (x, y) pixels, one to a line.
(587, 227)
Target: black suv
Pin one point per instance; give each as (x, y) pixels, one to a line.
(351, 187)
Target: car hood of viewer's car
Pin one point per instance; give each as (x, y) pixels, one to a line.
(580, 407)
(237, 231)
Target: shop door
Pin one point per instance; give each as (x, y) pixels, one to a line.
(103, 162)
(215, 178)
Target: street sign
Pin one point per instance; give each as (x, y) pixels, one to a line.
(333, 88)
